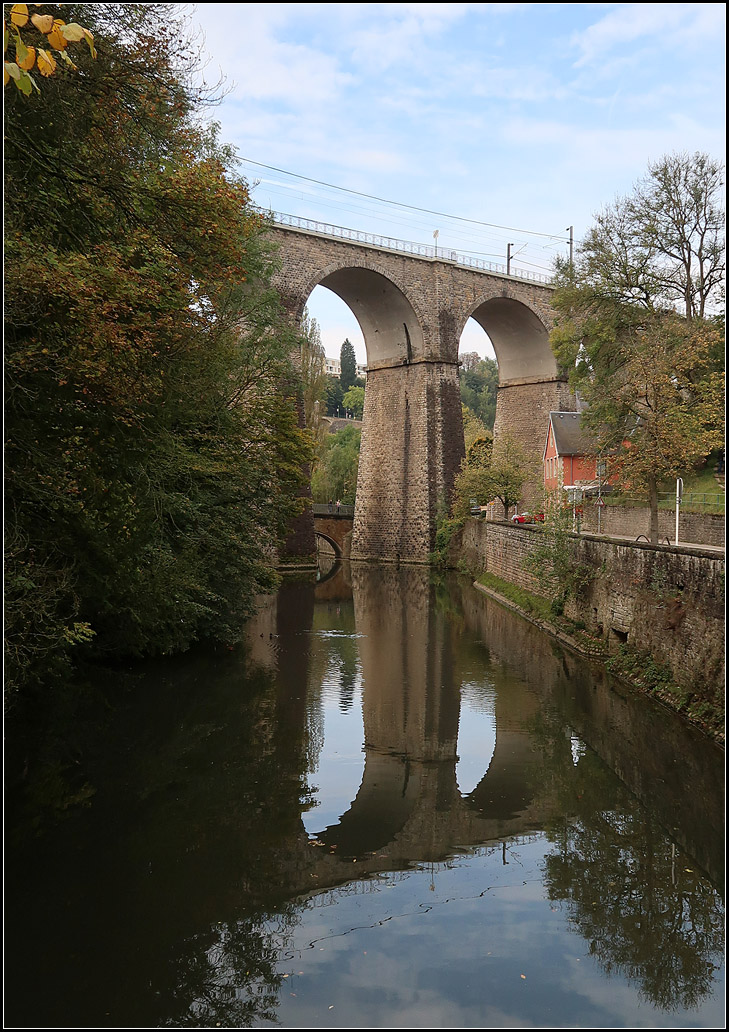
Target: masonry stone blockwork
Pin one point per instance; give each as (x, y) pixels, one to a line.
(412, 311)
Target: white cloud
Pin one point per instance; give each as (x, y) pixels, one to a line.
(672, 24)
(262, 66)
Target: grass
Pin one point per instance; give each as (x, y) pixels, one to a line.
(526, 600)
(701, 493)
(539, 607)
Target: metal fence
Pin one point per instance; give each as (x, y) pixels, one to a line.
(327, 509)
(387, 243)
(692, 501)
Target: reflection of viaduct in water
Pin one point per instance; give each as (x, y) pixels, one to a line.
(408, 803)
(408, 806)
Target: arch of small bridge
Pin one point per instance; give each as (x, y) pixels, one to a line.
(330, 540)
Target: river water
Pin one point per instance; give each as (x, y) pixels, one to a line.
(400, 806)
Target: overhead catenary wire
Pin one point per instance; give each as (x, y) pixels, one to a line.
(409, 207)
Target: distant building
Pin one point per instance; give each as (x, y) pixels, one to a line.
(333, 367)
(570, 454)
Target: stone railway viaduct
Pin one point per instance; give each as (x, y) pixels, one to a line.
(412, 311)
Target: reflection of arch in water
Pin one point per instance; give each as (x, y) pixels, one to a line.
(335, 584)
(329, 571)
(508, 787)
(385, 800)
(476, 743)
(412, 707)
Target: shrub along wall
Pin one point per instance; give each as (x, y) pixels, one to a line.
(663, 600)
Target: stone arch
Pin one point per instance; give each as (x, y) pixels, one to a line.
(519, 336)
(330, 541)
(391, 325)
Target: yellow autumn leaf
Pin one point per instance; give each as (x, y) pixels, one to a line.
(43, 22)
(12, 70)
(89, 37)
(46, 63)
(56, 40)
(19, 14)
(6, 75)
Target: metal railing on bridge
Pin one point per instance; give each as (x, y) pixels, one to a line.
(387, 243)
(331, 509)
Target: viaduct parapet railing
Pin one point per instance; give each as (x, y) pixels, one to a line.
(410, 247)
(323, 509)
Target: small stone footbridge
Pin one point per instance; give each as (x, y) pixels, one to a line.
(334, 525)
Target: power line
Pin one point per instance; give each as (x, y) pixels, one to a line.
(395, 221)
(400, 204)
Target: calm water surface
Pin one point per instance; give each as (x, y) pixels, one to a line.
(399, 806)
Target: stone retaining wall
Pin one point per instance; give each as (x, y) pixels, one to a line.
(667, 601)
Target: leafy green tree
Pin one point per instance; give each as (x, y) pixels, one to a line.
(347, 365)
(312, 361)
(487, 474)
(336, 474)
(632, 327)
(479, 384)
(474, 429)
(354, 400)
(152, 447)
(334, 396)
(559, 574)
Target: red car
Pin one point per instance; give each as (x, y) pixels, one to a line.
(528, 517)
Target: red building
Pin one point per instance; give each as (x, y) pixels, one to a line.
(569, 454)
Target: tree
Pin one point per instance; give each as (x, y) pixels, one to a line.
(152, 456)
(677, 211)
(487, 474)
(347, 365)
(662, 247)
(334, 396)
(474, 429)
(354, 401)
(633, 325)
(312, 361)
(336, 474)
(479, 381)
(553, 562)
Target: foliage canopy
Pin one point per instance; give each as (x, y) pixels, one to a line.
(152, 447)
(638, 325)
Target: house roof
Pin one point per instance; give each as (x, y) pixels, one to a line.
(569, 436)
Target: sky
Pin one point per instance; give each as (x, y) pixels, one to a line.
(504, 123)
